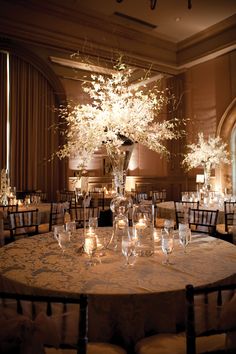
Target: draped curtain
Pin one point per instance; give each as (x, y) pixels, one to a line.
(33, 138)
(3, 108)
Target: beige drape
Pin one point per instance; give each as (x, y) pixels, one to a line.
(32, 113)
(3, 108)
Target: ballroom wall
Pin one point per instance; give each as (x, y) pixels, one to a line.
(205, 90)
(210, 89)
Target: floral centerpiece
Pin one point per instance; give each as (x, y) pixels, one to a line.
(118, 112)
(206, 153)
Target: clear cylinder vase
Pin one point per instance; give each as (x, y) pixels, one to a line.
(121, 203)
(119, 159)
(207, 175)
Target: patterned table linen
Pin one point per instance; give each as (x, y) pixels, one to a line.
(166, 210)
(125, 304)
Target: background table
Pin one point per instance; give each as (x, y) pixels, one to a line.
(166, 210)
(125, 304)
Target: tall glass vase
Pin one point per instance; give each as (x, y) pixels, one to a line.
(120, 203)
(207, 175)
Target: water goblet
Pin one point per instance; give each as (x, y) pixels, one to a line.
(128, 250)
(184, 235)
(167, 244)
(57, 229)
(93, 222)
(64, 240)
(70, 226)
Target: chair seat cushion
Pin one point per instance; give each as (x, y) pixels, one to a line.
(92, 348)
(176, 344)
(43, 228)
(221, 229)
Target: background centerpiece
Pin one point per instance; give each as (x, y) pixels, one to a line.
(118, 115)
(207, 153)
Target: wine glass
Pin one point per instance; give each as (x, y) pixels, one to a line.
(57, 229)
(93, 222)
(90, 246)
(184, 235)
(70, 226)
(128, 250)
(64, 240)
(167, 244)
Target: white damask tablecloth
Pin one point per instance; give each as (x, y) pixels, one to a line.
(125, 304)
(166, 210)
(44, 211)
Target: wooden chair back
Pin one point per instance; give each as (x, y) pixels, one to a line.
(182, 211)
(204, 221)
(57, 213)
(97, 199)
(207, 313)
(230, 215)
(53, 307)
(158, 196)
(81, 214)
(23, 223)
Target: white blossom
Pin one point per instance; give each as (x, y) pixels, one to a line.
(116, 111)
(206, 153)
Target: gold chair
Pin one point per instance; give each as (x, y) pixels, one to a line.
(53, 324)
(210, 325)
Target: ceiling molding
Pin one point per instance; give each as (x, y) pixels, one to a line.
(60, 28)
(82, 66)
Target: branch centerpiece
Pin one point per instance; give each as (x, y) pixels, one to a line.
(118, 111)
(207, 153)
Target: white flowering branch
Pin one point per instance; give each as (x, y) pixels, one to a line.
(116, 111)
(206, 153)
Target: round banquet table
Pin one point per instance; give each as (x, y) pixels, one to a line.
(166, 210)
(44, 210)
(125, 303)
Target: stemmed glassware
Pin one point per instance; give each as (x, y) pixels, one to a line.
(64, 240)
(167, 244)
(128, 244)
(93, 222)
(57, 229)
(184, 235)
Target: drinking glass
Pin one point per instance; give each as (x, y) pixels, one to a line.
(128, 250)
(90, 246)
(167, 244)
(57, 229)
(93, 222)
(120, 229)
(141, 219)
(184, 235)
(70, 226)
(64, 240)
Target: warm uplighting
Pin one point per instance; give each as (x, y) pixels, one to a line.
(199, 178)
